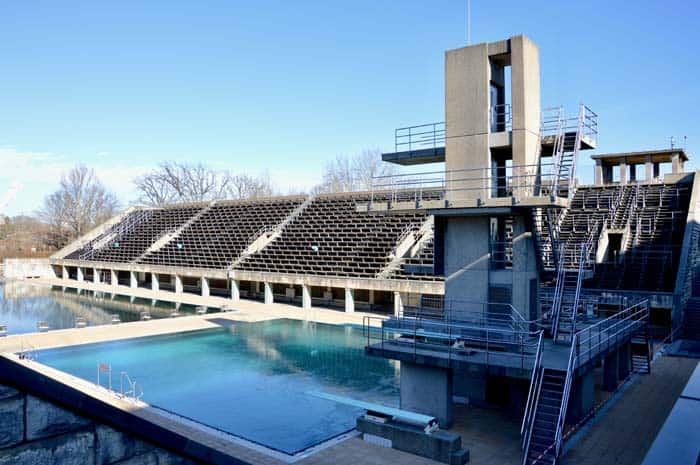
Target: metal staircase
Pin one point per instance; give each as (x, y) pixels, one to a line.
(567, 291)
(567, 144)
(546, 414)
(641, 353)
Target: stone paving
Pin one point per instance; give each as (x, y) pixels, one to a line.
(625, 432)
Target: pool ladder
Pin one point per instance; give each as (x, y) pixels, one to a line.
(133, 390)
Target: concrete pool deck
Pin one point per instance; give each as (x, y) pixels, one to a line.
(243, 311)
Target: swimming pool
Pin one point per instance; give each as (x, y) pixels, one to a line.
(23, 305)
(251, 379)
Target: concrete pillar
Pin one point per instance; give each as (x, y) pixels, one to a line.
(268, 293)
(582, 398)
(610, 371)
(648, 169)
(133, 279)
(81, 275)
(64, 272)
(178, 285)
(398, 304)
(305, 296)
(676, 164)
(427, 390)
(371, 298)
(624, 361)
(599, 181)
(96, 278)
(114, 277)
(623, 172)
(349, 300)
(205, 286)
(155, 283)
(235, 290)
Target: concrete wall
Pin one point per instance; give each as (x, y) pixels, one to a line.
(467, 259)
(37, 432)
(20, 268)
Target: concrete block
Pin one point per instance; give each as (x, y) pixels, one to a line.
(44, 419)
(70, 449)
(112, 446)
(11, 421)
(442, 446)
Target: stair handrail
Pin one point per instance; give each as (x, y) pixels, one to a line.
(577, 144)
(570, 368)
(532, 399)
(558, 292)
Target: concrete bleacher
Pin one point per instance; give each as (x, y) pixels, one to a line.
(651, 218)
(325, 236)
(222, 233)
(330, 237)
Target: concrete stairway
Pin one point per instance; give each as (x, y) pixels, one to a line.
(542, 448)
(641, 354)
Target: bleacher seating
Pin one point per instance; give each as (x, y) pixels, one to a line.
(222, 233)
(654, 217)
(136, 233)
(325, 236)
(331, 238)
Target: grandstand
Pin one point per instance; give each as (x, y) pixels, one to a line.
(499, 277)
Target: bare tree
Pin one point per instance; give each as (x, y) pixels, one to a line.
(245, 186)
(346, 174)
(80, 203)
(179, 182)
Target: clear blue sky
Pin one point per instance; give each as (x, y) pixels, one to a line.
(284, 86)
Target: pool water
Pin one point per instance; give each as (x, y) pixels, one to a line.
(252, 380)
(23, 305)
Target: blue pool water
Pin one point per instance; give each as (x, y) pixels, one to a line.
(23, 305)
(251, 380)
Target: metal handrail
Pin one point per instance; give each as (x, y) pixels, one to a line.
(134, 392)
(604, 332)
(532, 396)
(431, 135)
(571, 366)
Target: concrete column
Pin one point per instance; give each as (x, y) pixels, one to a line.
(398, 304)
(305, 296)
(610, 371)
(64, 272)
(268, 293)
(371, 298)
(155, 283)
(178, 285)
(599, 173)
(235, 290)
(676, 164)
(582, 397)
(623, 172)
(349, 300)
(114, 277)
(427, 390)
(133, 279)
(624, 361)
(96, 276)
(205, 286)
(81, 275)
(648, 169)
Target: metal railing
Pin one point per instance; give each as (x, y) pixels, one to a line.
(501, 118)
(424, 136)
(570, 367)
(479, 184)
(532, 400)
(462, 329)
(611, 331)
